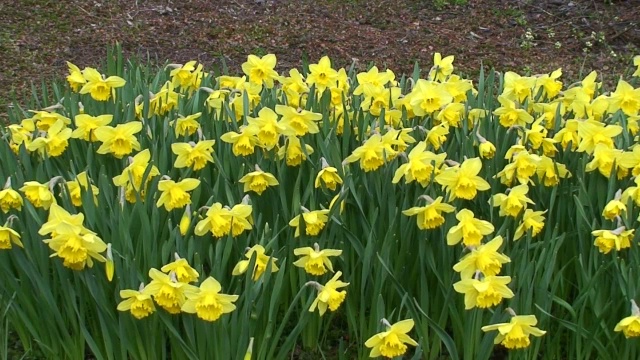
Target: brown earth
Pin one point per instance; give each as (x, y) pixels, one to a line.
(37, 37)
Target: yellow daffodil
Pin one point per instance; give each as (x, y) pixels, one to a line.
(533, 220)
(442, 67)
(80, 184)
(186, 125)
(61, 218)
(9, 198)
(120, 140)
(298, 122)
(261, 263)
(137, 302)
(44, 119)
(486, 149)
(515, 334)
(86, 126)
(131, 178)
(593, 133)
(371, 154)
(269, 130)
(261, 70)
(428, 97)
(75, 78)
(183, 271)
(241, 218)
(547, 171)
(188, 76)
(516, 87)
(193, 155)
(469, 230)
(374, 78)
(100, 88)
(614, 207)
(208, 303)
(430, 215)
(322, 75)
(328, 176)
(463, 181)
(244, 142)
(391, 342)
(514, 201)
(604, 159)
(422, 165)
(315, 261)
(217, 220)
(75, 248)
(484, 258)
(38, 194)
(293, 153)
(625, 98)
(168, 292)
(8, 236)
(510, 115)
(568, 135)
(314, 221)
(549, 84)
(175, 194)
(485, 292)
(258, 181)
(328, 294)
(607, 240)
(630, 326)
(438, 135)
(54, 143)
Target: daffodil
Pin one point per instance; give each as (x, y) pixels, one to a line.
(262, 261)
(484, 258)
(322, 75)
(547, 172)
(486, 149)
(510, 115)
(183, 271)
(208, 303)
(514, 201)
(298, 122)
(568, 135)
(217, 220)
(422, 165)
(100, 87)
(132, 177)
(186, 125)
(258, 181)
(516, 87)
(44, 119)
(292, 151)
(315, 261)
(515, 334)
(75, 78)
(604, 159)
(549, 84)
(485, 292)
(188, 76)
(630, 325)
(314, 221)
(269, 130)
(531, 220)
(393, 341)
(463, 181)
(86, 126)
(8, 236)
(241, 217)
(442, 67)
(614, 207)
(328, 294)
(261, 70)
(328, 176)
(593, 133)
(607, 240)
(119, 140)
(137, 302)
(55, 142)
(9, 198)
(168, 292)
(371, 154)
(243, 142)
(38, 194)
(77, 249)
(430, 215)
(429, 96)
(625, 98)
(438, 135)
(469, 230)
(175, 195)
(193, 155)
(80, 184)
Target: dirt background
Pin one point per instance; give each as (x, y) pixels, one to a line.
(527, 36)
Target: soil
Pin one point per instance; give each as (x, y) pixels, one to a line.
(526, 36)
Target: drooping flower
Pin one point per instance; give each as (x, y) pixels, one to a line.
(614, 207)
(630, 326)
(244, 142)
(75, 78)
(241, 217)
(293, 153)
(258, 181)
(328, 176)
(77, 248)
(315, 261)
(208, 303)
(607, 240)
(183, 271)
(430, 215)
(38, 194)
(485, 292)
(9, 198)
(217, 220)
(175, 194)
(168, 292)
(469, 229)
(391, 342)
(484, 258)
(514, 201)
(54, 143)
(328, 294)
(137, 302)
(186, 125)
(314, 221)
(371, 154)
(8, 235)
(515, 334)
(261, 263)
(422, 165)
(533, 220)
(80, 184)
(132, 177)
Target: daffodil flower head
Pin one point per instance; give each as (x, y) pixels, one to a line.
(40, 195)
(183, 271)
(175, 195)
(9, 198)
(484, 291)
(217, 220)
(328, 176)
(463, 181)
(9, 235)
(630, 325)
(86, 126)
(328, 294)
(119, 140)
(393, 341)
(531, 220)
(322, 75)
(314, 221)
(293, 153)
(186, 125)
(484, 258)
(514, 201)
(193, 155)
(430, 215)
(78, 186)
(137, 302)
(75, 78)
(258, 181)
(315, 261)
(243, 142)
(100, 88)
(262, 262)
(607, 240)
(469, 230)
(515, 334)
(261, 70)
(208, 303)
(168, 292)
